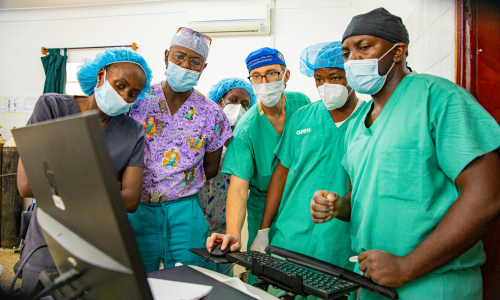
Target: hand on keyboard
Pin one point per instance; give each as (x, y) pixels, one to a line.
(261, 241)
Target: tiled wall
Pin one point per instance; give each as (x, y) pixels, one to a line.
(431, 25)
(11, 120)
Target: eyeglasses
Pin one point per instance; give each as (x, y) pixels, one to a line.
(205, 38)
(271, 76)
(193, 61)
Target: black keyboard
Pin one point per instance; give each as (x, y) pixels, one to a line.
(291, 276)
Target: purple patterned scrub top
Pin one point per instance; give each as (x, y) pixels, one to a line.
(175, 145)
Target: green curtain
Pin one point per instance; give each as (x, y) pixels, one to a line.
(54, 65)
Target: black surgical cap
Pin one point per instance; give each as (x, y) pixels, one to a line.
(380, 23)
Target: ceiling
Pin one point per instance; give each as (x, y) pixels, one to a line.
(40, 4)
(30, 4)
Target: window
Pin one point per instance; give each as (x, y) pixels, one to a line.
(72, 85)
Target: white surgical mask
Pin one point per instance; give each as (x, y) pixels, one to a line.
(333, 95)
(234, 112)
(109, 101)
(270, 93)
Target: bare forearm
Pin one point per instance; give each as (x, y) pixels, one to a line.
(236, 207)
(463, 225)
(274, 195)
(211, 163)
(131, 200)
(131, 188)
(211, 173)
(22, 181)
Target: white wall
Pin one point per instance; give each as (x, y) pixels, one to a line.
(151, 25)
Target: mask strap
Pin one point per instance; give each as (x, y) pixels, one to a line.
(349, 92)
(390, 69)
(388, 51)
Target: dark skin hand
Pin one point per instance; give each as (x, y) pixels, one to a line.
(337, 76)
(473, 213)
(128, 80)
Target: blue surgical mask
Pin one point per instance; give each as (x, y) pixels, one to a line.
(362, 75)
(109, 101)
(180, 79)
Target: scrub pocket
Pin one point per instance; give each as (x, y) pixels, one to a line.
(399, 174)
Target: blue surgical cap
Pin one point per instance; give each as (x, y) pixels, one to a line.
(264, 57)
(219, 89)
(322, 55)
(88, 69)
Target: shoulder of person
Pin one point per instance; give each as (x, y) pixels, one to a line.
(434, 83)
(297, 96)
(149, 96)
(441, 91)
(246, 122)
(307, 109)
(54, 99)
(130, 124)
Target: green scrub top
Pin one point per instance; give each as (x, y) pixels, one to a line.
(312, 148)
(250, 156)
(403, 170)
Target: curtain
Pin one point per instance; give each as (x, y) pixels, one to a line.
(54, 65)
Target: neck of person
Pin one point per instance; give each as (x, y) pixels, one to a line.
(173, 96)
(344, 112)
(92, 105)
(393, 80)
(277, 110)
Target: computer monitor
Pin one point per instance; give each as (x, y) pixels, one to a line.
(80, 209)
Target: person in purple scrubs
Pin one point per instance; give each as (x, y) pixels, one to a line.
(184, 133)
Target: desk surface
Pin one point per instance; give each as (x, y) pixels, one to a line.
(199, 275)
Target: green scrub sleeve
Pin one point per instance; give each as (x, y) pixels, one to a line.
(285, 148)
(239, 159)
(344, 163)
(461, 129)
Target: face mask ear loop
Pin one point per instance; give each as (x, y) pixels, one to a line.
(349, 92)
(393, 63)
(387, 52)
(283, 79)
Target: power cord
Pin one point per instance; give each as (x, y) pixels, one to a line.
(22, 266)
(60, 281)
(229, 269)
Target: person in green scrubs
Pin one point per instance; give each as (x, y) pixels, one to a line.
(310, 154)
(250, 155)
(423, 159)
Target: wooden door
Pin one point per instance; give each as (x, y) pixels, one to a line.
(478, 70)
